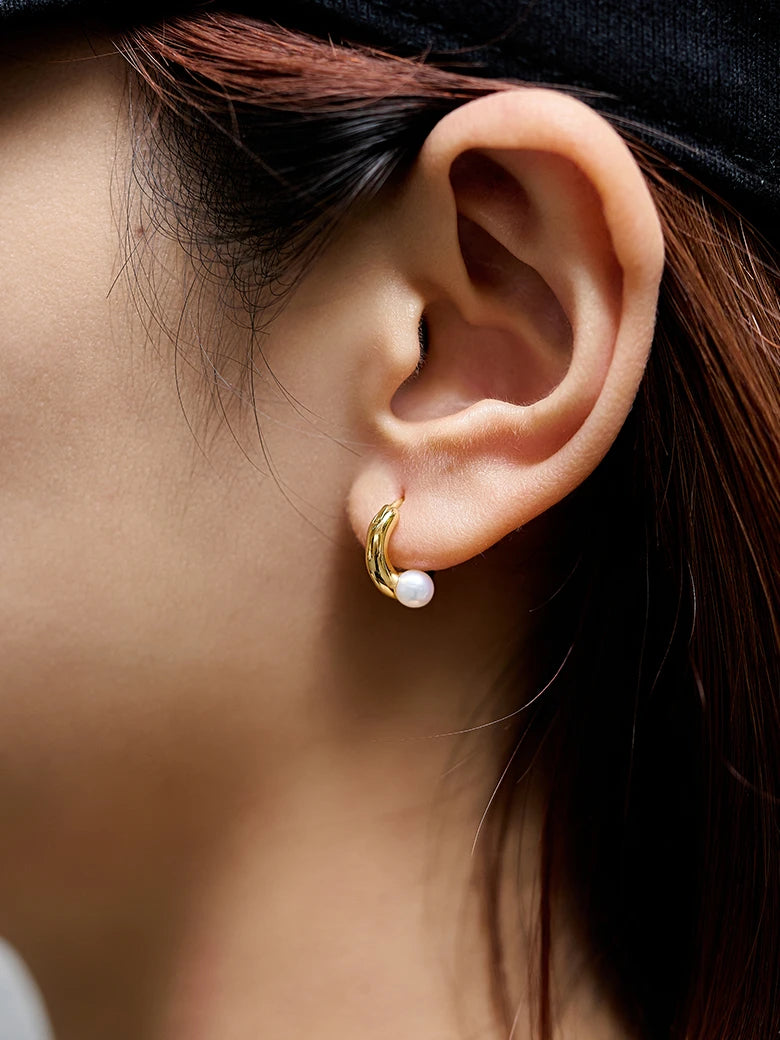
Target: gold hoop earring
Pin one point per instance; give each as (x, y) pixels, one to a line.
(412, 588)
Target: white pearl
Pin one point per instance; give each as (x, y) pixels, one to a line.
(414, 588)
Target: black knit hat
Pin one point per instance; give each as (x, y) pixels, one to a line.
(698, 77)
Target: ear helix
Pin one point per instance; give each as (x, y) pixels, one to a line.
(412, 588)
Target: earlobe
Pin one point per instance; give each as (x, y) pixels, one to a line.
(528, 236)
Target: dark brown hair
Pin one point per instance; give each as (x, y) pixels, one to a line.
(660, 735)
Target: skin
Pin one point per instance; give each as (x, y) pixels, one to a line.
(223, 805)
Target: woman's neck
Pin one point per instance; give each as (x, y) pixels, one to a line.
(227, 856)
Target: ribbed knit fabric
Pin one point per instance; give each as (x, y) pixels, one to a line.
(700, 76)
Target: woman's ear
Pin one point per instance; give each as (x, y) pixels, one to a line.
(532, 247)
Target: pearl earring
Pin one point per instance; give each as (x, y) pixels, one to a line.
(412, 588)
